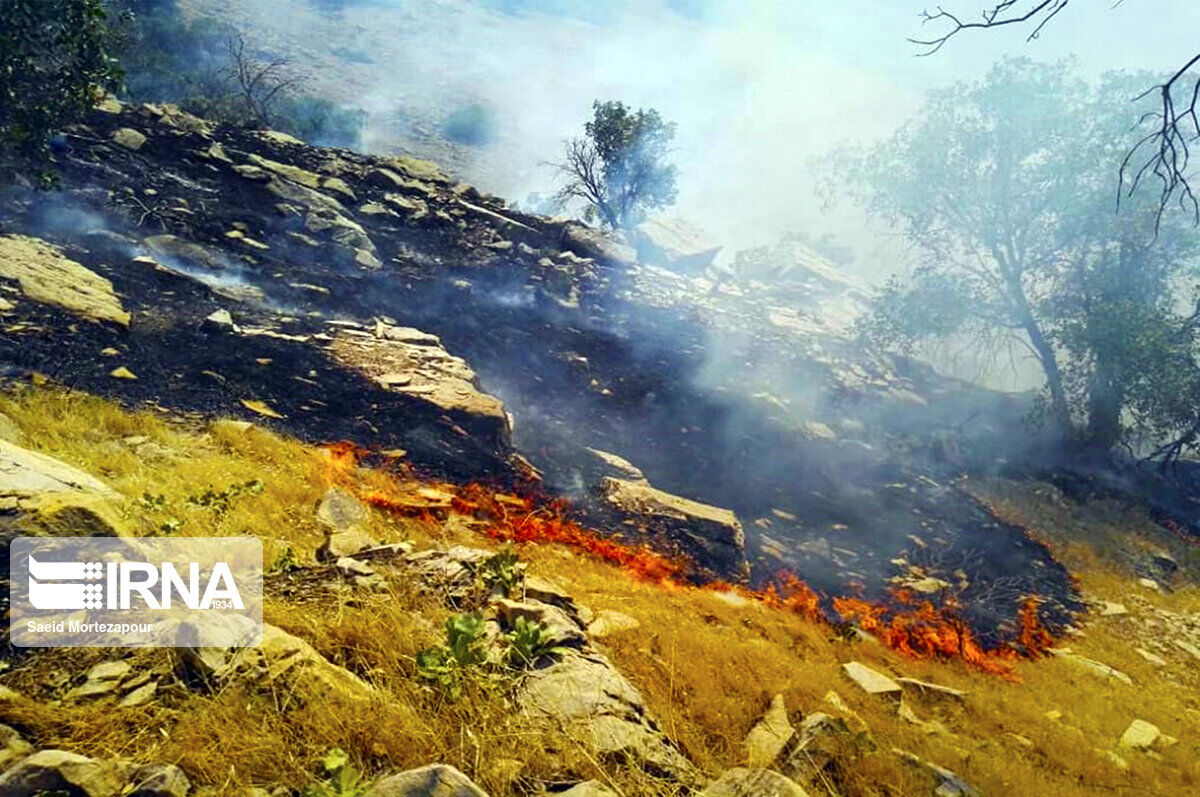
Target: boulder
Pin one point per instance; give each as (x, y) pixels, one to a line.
(45, 275)
(60, 772)
(417, 367)
(584, 697)
(284, 665)
(767, 738)
(753, 783)
(129, 138)
(603, 248)
(675, 244)
(712, 537)
(434, 780)
(609, 622)
(47, 497)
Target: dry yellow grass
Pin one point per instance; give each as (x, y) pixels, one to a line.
(707, 668)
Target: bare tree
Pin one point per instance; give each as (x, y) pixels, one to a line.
(1163, 153)
(584, 179)
(258, 84)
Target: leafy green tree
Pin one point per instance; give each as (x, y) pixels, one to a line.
(618, 169)
(1019, 243)
(54, 63)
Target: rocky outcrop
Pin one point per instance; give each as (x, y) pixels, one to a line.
(283, 664)
(43, 496)
(712, 537)
(675, 244)
(600, 246)
(414, 364)
(45, 275)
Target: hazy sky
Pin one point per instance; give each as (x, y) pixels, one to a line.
(758, 88)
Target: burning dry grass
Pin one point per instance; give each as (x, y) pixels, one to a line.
(706, 660)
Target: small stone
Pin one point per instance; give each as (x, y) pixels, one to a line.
(870, 681)
(367, 259)
(609, 622)
(1187, 647)
(140, 696)
(121, 372)
(1113, 758)
(12, 747)
(159, 780)
(1153, 658)
(1110, 609)
(1148, 583)
(218, 321)
(1140, 735)
(109, 670)
(109, 352)
(742, 782)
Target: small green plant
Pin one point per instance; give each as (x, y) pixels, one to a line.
(342, 779)
(153, 501)
(445, 665)
(219, 501)
(285, 560)
(528, 642)
(502, 572)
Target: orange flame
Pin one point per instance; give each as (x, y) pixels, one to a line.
(911, 626)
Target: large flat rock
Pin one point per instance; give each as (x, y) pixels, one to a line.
(46, 275)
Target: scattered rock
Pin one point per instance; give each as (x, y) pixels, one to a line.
(434, 780)
(767, 738)
(870, 681)
(1091, 665)
(1110, 609)
(591, 242)
(60, 772)
(1153, 658)
(129, 138)
(753, 783)
(218, 321)
(45, 275)
(121, 372)
(589, 788)
(610, 622)
(12, 747)
(562, 629)
(674, 243)
(158, 780)
(711, 536)
(948, 783)
(931, 690)
(584, 697)
(817, 754)
(1140, 735)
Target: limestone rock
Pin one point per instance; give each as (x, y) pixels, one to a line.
(129, 138)
(1140, 735)
(286, 665)
(435, 377)
(712, 536)
(45, 275)
(871, 681)
(768, 737)
(434, 780)
(218, 321)
(948, 783)
(675, 244)
(583, 696)
(604, 464)
(819, 750)
(57, 771)
(927, 689)
(52, 498)
(609, 622)
(293, 173)
(12, 747)
(1097, 668)
(159, 780)
(753, 783)
(590, 242)
(562, 629)
(345, 518)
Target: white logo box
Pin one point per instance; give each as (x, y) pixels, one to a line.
(135, 591)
